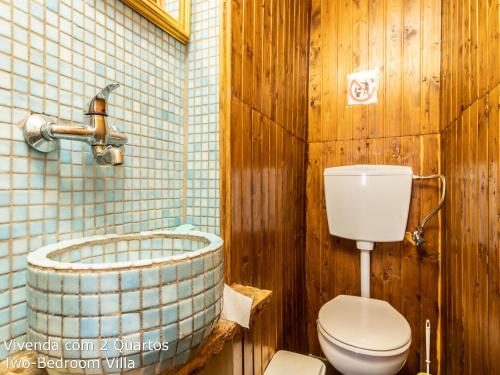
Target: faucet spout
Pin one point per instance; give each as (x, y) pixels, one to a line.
(106, 141)
(108, 155)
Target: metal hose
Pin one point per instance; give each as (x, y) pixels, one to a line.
(418, 235)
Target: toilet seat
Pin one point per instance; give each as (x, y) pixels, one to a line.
(364, 325)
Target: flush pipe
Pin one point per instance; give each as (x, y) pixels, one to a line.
(365, 248)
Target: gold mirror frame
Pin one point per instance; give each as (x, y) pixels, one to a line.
(154, 11)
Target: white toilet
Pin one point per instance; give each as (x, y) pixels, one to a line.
(366, 203)
(360, 335)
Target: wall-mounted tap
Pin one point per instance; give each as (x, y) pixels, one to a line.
(43, 134)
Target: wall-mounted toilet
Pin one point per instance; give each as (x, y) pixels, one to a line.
(368, 204)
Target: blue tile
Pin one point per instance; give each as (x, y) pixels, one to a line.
(70, 283)
(130, 280)
(71, 305)
(169, 333)
(185, 288)
(169, 314)
(185, 327)
(131, 301)
(152, 337)
(89, 327)
(168, 273)
(110, 326)
(184, 270)
(55, 303)
(52, 5)
(131, 323)
(109, 282)
(90, 305)
(149, 358)
(169, 293)
(112, 346)
(90, 348)
(89, 283)
(110, 303)
(71, 327)
(150, 297)
(54, 325)
(150, 277)
(150, 318)
(198, 284)
(199, 321)
(185, 308)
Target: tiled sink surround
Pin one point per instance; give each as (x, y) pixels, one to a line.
(101, 293)
(54, 55)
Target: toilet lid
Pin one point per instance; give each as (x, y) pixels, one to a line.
(364, 323)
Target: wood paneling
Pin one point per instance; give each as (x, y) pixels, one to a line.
(264, 124)
(470, 126)
(402, 40)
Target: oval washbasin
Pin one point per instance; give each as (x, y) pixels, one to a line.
(124, 303)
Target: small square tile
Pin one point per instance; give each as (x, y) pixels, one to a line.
(130, 323)
(110, 346)
(71, 305)
(185, 327)
(54, 325)
(54, 303)
(150, 277)
(89, 283)
(109, 282)
(169, 314)
(169, 333)
(130, 280)
(90, 348)
(110, 326)
(198, 284)
(150, 297)
(55, 282)
(197, 266)
(71, 327)
(131, 301)
(199, 302)
(152, 337)
(169, 293)
(150, 318)
(90, 305)
(150, 357)
(185, 309)
(199, 320)
(168, 273)
(110, 303)
(70, 283)
(129, 343)
(184, 270)
(89, 327)
(71, 348)
(185, 289)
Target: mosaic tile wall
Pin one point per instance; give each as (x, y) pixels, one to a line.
(202, 194)
(54, 56)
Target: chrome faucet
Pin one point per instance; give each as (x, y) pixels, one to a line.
(43, 134)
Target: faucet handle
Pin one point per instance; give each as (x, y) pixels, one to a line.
(98, 104)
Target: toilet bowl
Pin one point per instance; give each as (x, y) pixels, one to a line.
(363, 336)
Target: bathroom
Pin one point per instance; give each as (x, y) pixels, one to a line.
(298, 187)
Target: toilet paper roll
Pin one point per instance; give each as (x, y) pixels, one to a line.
(236, 307)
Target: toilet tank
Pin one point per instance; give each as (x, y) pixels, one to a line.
(368, 203)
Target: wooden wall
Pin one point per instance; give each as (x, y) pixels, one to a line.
(402, 40)
(264, 123)
(470, 132)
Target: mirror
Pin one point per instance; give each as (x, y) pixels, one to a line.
(170, 15)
